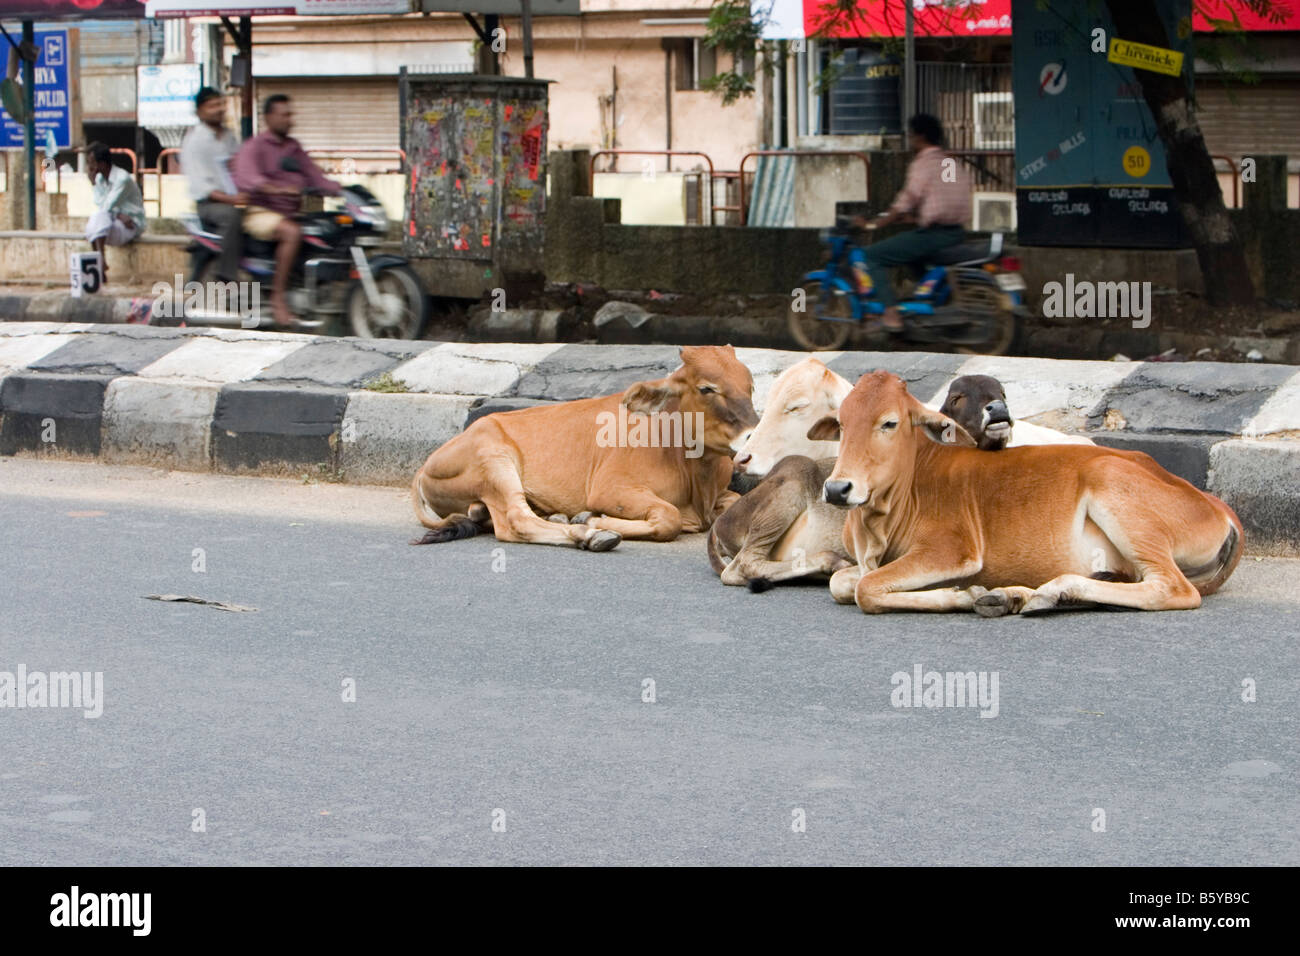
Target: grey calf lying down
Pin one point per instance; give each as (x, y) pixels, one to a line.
(781, 530)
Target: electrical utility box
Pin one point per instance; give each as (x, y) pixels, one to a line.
(1090, 166)
(476, 196)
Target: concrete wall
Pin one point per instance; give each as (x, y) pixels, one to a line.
(584, 76)
(388, 187)
(820, 182)
(647, 200)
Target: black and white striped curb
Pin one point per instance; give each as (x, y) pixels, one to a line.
(248, 401)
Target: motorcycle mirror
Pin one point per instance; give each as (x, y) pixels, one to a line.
(290, 165)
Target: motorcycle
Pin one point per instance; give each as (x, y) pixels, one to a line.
(968, 296)
(334, 280)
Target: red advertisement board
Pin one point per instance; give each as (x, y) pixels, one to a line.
(946, 18)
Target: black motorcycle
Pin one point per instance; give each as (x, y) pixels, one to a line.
(334, 281)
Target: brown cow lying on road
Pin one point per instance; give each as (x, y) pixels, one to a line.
(940, 527)
(653, 469)
(783, 528)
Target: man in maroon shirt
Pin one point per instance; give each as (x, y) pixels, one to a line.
(276, 192)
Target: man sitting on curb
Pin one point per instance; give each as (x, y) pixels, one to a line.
(274, 169)
(119, 210)
(206, 153)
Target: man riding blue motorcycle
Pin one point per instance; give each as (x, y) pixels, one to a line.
(937, 196)
(968, 295)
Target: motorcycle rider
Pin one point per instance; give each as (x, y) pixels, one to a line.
(206, 153)
(937, 196)
(274, 170)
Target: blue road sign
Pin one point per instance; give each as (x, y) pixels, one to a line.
(51, 93)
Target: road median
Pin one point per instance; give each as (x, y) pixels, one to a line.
(346, 409)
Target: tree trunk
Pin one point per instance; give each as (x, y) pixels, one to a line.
(1196, 186)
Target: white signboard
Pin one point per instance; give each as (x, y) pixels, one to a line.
(541, 8)
(165, 94)
(87, 270)
(337, 8)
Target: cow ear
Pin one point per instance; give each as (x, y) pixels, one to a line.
(825, 429)
(647, 397)
(939, 427)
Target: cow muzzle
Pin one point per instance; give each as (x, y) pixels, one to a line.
(997, 423)
(836, 492)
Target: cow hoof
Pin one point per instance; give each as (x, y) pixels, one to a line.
(598, 540)
(582, 517)
(559, 518)
(992, 604)
(1038, 604)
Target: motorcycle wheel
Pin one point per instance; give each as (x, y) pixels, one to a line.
(812, 333)
(1001, 321)
(408, 322)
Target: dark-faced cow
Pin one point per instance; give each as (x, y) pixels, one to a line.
(944, 527)
(979, 404)
(653, 461)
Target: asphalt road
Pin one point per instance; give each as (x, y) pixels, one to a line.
(510, 678)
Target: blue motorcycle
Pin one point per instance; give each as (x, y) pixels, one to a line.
(967, 297)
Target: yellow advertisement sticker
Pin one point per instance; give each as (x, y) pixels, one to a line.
(1137, 162)
(1143, 57)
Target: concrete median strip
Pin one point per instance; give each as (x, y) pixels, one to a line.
(367, 410)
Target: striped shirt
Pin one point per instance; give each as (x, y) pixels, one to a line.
(928, 197)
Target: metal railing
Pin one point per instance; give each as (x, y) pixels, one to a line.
(129, 153)
(866, 168)
(1232, 174)
(973, 101)
(158, 172)
(993, 170)
(669, 153)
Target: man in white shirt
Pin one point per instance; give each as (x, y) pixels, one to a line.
(206, 153)
(119, 210)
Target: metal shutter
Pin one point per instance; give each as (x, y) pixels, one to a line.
(1263, 119)
(340, 113)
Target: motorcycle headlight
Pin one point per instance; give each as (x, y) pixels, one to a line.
(377, 217)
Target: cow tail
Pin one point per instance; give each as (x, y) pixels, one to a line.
(1210, 578)
(454, 527)
(450, 528)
